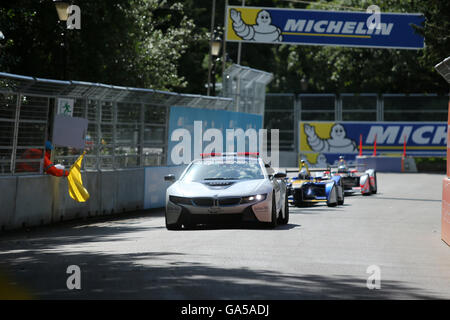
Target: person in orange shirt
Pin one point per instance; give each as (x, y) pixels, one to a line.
(49, 167)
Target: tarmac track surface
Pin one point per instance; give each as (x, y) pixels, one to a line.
(323, 253)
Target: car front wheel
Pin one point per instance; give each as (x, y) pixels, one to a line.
(274, 222)
(285, 219)
(173, 226)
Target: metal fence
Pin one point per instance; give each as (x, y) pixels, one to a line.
(247, 87)
(284, 111)
(127, 127)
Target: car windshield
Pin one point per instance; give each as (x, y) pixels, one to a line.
(224, 170)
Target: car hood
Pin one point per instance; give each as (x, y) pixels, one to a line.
(220, 188)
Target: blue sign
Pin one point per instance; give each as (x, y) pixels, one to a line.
(323, 142)
(331, 28)
(195, 124)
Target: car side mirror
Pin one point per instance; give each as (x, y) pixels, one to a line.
(280, 175)
(169, 177)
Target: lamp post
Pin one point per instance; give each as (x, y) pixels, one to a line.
(304, 84)
(215, 50)
(211, 40)
(61, 9)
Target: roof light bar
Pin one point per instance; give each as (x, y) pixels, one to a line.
(212, 154)
(219, 154)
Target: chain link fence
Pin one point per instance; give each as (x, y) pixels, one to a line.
(247, 88)
(127, 127)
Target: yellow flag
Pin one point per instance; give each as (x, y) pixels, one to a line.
(76, 189)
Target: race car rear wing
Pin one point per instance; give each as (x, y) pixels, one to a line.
(357, 167)
(310, 170)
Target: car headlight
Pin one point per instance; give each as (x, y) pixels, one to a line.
(255, 198)
(180, 200)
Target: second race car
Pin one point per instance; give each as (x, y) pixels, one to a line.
(305, 188)
(355, 180)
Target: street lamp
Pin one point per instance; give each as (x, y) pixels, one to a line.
(61, 9)
(304, 84)
(215, 50)
(215, 46)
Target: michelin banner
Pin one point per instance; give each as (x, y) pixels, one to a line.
(322, 143)
(332, 28)
(193, 131)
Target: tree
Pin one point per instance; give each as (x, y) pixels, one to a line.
(129, 43)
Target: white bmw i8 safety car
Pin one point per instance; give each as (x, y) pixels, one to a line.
(223, 187)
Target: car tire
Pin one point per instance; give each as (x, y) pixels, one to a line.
(370, 188)
(341, 202)
(333, 204)
(374, 190)
(173, 226)
(285, 219)
(274, 222)
(300, 203)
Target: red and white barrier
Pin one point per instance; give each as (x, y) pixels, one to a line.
(445, 234)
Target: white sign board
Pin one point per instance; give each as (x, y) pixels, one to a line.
(69, 131)
(65, 106)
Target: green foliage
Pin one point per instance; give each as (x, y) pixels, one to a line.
(131, 43)
(431, 164)
(341, 69)
(164, 44)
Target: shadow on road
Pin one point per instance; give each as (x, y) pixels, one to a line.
(38, 263)
(409, 199)
(317, 209)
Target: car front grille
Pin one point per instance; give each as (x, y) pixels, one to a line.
(203, 202)
(211, 202)
(229, 201)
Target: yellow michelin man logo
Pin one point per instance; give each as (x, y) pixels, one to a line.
(262, 31)
(337, 143)
(314, 160)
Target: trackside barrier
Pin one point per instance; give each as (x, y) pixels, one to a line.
(126, 133)
(155, 186)
(386, 164)
(444, 69)
(40, 199)
(445, 220)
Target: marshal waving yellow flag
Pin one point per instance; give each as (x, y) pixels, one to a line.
(76, 189)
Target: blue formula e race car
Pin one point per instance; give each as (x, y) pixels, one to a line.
(314, 186)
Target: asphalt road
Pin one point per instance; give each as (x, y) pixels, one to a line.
(323, 253)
